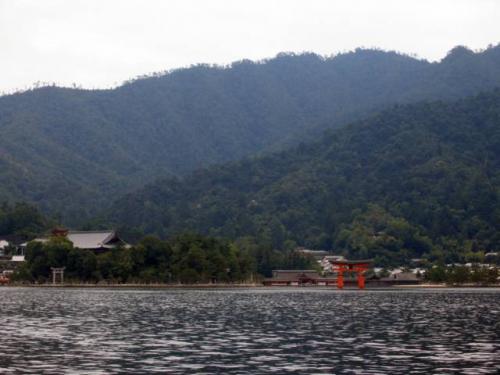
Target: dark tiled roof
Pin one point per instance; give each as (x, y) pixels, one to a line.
(294, 275)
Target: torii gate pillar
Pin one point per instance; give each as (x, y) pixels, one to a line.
(340, 276)
(361, 280)
(57, 272)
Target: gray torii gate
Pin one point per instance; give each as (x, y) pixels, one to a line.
(57, 272)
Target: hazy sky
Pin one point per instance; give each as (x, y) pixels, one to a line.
(100, 43)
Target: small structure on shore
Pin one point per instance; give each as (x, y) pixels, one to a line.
(57, 271)
(297, 278)
(401, 278)
(4, 244)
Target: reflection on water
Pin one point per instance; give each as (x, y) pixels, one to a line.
(249, 331)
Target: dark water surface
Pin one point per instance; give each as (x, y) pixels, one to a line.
(251, 331)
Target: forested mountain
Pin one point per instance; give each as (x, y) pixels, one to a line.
(70, 151)
(419, 180)
(21, 221)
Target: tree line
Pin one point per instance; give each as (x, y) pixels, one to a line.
(188, 259)
(461, 274)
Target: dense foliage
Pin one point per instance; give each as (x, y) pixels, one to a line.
(415, 181)
(460, 274)
(71, 151)
(186, 258)
(21, 220)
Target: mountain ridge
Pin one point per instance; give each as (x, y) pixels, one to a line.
(72, 151)
(415, 180)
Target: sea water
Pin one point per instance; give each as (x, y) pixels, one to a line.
(249, 331)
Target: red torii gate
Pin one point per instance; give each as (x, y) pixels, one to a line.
(358, 266)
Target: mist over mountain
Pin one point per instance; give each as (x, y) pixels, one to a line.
(419, 180)
(73, 151)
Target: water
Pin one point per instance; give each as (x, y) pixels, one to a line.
(251, 331)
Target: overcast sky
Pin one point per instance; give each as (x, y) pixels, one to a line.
(100, 43)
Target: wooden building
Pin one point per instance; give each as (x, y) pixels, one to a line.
(96, 241)
(298, 278)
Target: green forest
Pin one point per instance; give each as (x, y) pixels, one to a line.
(414, 181)
(72, 152)
(187, 259)
(368, 154)
(22, 220)
(183, 259)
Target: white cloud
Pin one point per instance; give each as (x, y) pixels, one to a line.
(99, 43)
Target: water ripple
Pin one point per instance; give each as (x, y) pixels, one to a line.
(302, 331)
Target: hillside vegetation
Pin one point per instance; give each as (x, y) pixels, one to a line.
(414, 181)
(72, 151)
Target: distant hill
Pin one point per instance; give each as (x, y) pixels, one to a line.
(414, 181)
(71, 151)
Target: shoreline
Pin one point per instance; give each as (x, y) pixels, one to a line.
(136, 286)
(245, 286)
